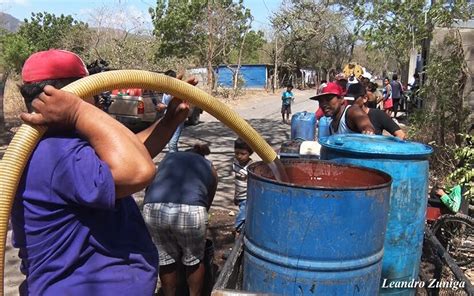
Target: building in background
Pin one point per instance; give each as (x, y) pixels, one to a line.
(260, 76)
(250, 76)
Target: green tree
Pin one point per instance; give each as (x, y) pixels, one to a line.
(226, 25)
(251, 50)
(43, 31)
(208, 31)
(176, 25)
(254, 41)
(443, 91)
(15, 49)
(395, 27)
(312, 34)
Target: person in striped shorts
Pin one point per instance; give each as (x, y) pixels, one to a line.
(175, 212)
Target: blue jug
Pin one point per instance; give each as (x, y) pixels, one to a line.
(323, 127)
(303, 126)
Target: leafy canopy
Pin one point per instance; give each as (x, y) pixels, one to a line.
(175, 25)
(42, 32)
(206, 31)
(397, 26)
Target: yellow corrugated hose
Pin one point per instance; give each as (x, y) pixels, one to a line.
(27, 137)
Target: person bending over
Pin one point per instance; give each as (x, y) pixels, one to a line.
(176, 211)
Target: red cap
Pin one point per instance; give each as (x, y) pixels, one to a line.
(53, 64)
(331, 89)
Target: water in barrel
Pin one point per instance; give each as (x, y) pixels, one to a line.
(320, 234)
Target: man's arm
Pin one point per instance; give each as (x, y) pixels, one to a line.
(158, 134)
(389, 125)
(129, 162)
(359, 121)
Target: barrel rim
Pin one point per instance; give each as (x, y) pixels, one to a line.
(393, 154)
(355, 188)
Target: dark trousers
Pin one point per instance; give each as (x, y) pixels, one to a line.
(396, 103)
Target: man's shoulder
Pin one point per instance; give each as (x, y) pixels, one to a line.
(353, 108)
(354, 112)
(54, 148)
(61, 142)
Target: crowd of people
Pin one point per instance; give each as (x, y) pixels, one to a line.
(74, 220)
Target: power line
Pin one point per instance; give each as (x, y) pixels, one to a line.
(268, 10)
(269, 14)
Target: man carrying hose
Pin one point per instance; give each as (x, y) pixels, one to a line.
(78, 229)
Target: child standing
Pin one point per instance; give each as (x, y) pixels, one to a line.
(286, 99)
(242, 160)
(387, 97)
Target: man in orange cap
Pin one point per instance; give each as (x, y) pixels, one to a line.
(78, 229)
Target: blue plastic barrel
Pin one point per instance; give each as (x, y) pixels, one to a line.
(323, 127)
(320, 235)
(303, 126)
(407, 163)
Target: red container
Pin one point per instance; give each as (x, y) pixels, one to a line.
(432, 213)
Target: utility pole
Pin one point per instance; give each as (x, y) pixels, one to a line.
(275, 72)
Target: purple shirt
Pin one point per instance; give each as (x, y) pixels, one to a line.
(74, 237)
